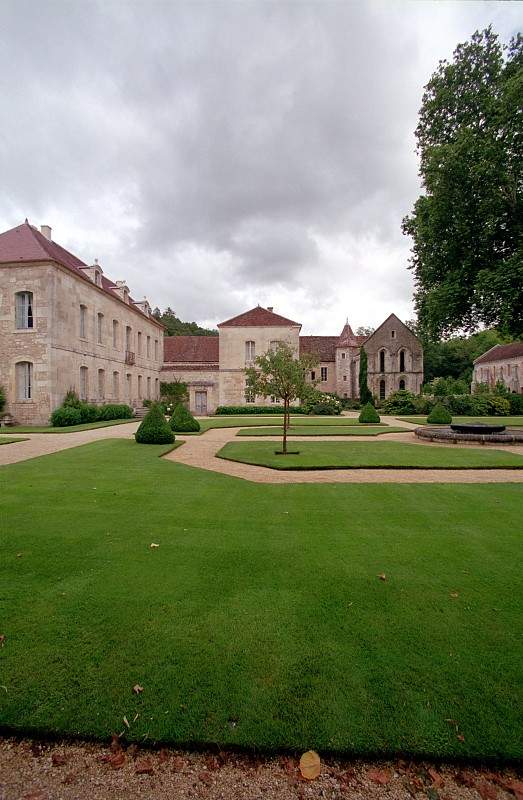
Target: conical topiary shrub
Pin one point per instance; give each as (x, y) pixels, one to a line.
(369, 414)
(182, 421)
(154, 428)
(440, 415)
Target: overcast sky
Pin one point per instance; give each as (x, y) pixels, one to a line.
(219, 155)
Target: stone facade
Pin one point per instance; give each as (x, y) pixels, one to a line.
(503, 363)
(83, 334)
(395, 359)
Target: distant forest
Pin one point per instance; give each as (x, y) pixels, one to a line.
(175, 326)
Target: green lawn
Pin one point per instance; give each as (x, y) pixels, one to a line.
(259, 621)
(336, 455)
(328, 430)
(86, 426)
(509, 421)
(10, 439)
(258, 420)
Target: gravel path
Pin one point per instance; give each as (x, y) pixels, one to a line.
(38, 771)
(200, 451)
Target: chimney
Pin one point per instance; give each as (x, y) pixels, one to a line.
(270, 308)
(45, 230)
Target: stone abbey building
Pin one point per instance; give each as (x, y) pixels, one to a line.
(64, 324)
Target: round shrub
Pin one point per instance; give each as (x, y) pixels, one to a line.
(89, 412)
(369, 414)
(499, 406)
(65, 415)
(400, 402)
(515, 400)
(115, 411)
(182, 421)
(440, 415)
(154, 428)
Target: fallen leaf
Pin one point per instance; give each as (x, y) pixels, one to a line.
(153, 544)
(460, 737)
(487, 790)
(464, 778)
(58, 759)
(454, 594)
(382, 576)
(118, 760)
(115, 743)
(178, 764)
(381, 776)
(164, 756)
(137, 689)
(144, 767)
(310, 765)
(516, 787)
(435, 777)
(212, 763)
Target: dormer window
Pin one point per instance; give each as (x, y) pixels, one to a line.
(97, 277)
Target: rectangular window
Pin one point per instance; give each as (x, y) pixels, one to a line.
(140, 387)
(100, 328)
(128, 338)
(115, 333)
(313, 375)
(116, 385)
(250, 351)
(129, 386)
(344, 377)
(274, 345)
(156, 349)
(148, 347)
(148, 388)
(323, 373)
(24, 380)
(23, 310)
(393, 334)
(139, 343)
(343, 355)
(83, 322)
(83, 383)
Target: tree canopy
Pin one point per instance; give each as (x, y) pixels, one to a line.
(467, 254)
(175, 327)
(280, 374)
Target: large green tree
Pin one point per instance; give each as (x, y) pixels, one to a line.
(467, 254)
(175, 327)
(279, 373)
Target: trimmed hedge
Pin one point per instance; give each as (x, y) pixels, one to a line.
(154, 428)
(273, 409)
(182, 421)
(369, 414)
(64, 416)
(440, 415)
(87, 412)
(516, 404)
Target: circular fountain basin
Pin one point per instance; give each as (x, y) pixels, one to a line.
(477, 427)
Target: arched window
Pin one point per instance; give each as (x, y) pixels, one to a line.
(148, 388)
(250, 351)
(402, 361)
(402, 384)
(101, 384)
(24, 380)
(23, 310)
(382, 361)
(148, 347)
(84, 384)
(128, 338)
(382, 390)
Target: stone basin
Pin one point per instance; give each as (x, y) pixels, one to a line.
(477, 427)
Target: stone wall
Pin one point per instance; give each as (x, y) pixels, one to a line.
(509, 371)
(391, 338)
(199, 379)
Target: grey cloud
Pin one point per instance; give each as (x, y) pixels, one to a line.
(243, 133)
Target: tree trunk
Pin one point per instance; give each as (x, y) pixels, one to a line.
(285, 425)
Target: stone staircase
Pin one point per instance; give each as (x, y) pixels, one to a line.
(140, 411)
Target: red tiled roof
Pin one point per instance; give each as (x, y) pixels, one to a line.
(25, 243)
(258, 317)
(324, 347)
(190, 349)
(190, 367)
(501, 352)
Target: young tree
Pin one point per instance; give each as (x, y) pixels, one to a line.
(467, 227)
(280, 373)
(365, 393)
